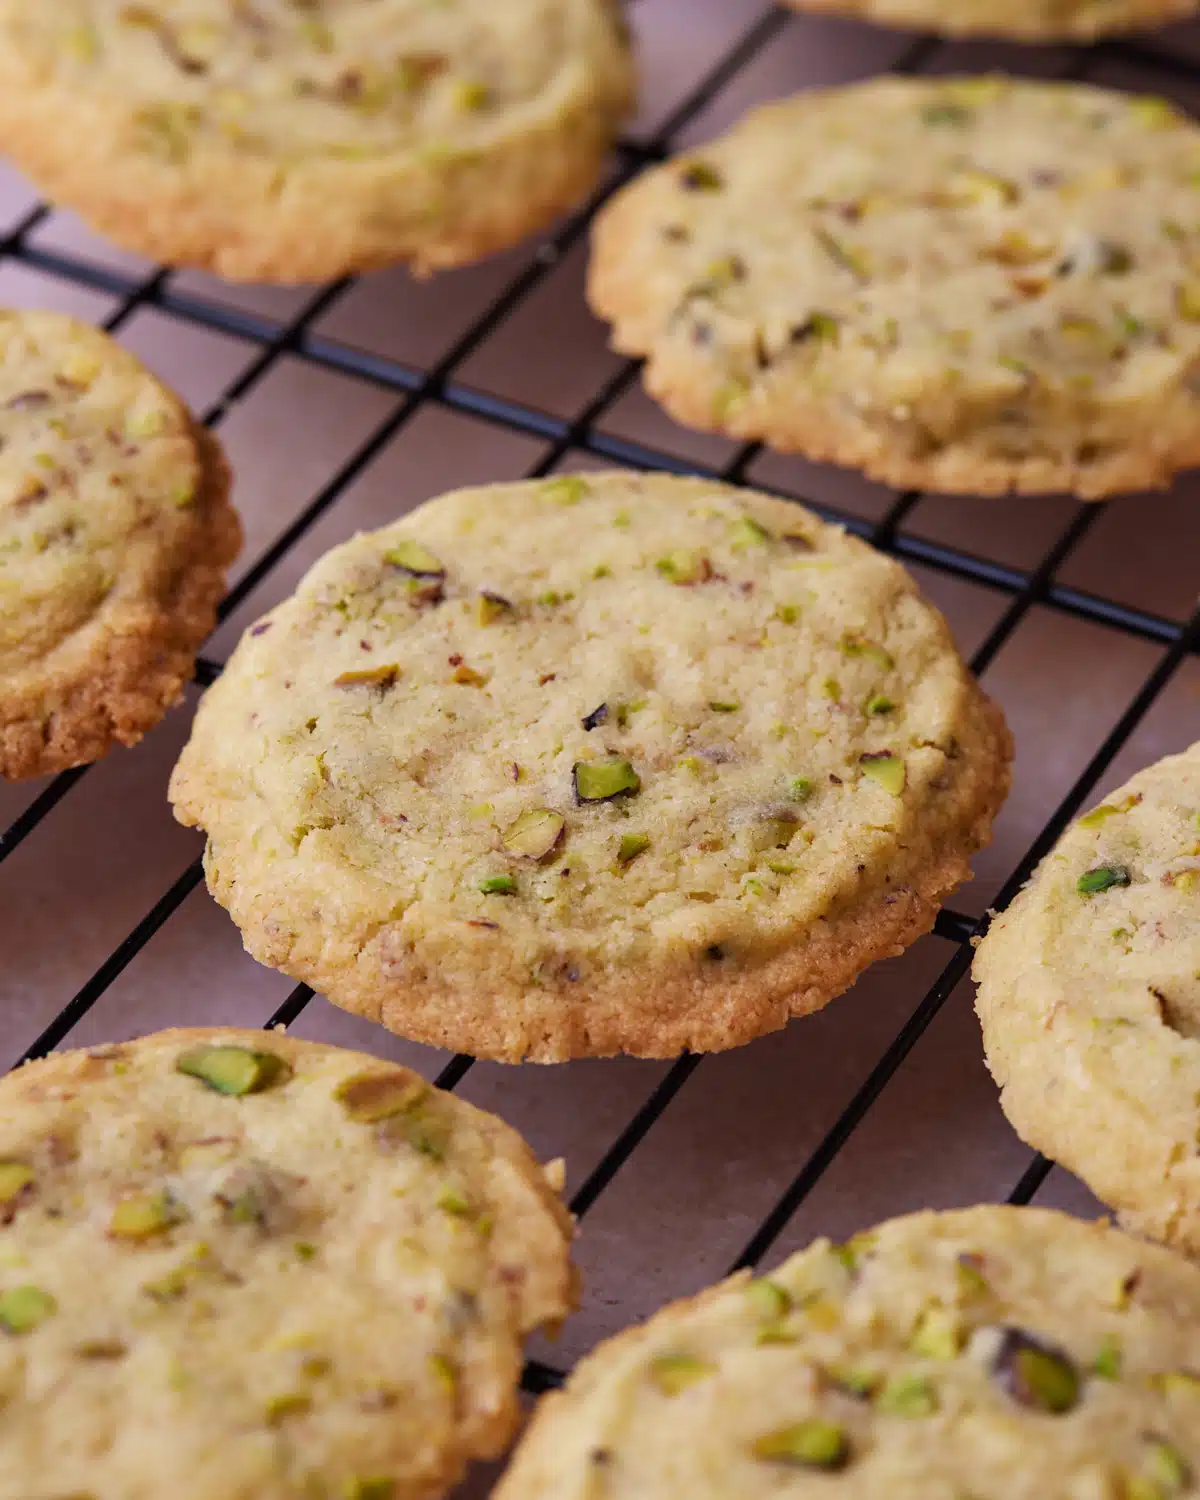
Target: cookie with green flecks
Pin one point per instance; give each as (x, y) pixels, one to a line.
(996, 1353)
(975, 285)
(287, 141)
(238, 1266)
(115, 533)
(1029, 20)
(1089, 996)
(593, 764)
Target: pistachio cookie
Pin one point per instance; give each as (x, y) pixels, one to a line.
(236, 1266)
(588, 765)
(115, 533)
(282, 141)
(997, 1353)
(1089, 995)
(1028, 20)
(967, 285)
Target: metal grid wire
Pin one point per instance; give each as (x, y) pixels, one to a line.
(437, 385)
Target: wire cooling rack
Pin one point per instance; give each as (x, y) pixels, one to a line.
(413, 388)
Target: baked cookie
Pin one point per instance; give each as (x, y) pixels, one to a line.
(280, 141)
(966, 284)
(997, 1353)
(1028, 21)
(588, 765)
(1089, 995)
(115, 533)
(236, 1266)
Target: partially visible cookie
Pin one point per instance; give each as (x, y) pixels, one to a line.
(589, 765)
(278, 141)
(1089, 996)
(976, 285)
(996, 1353)
(237, 1266)
(1027, 20)
(115, 533)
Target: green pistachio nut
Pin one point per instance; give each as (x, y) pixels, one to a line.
(142, 1216)
(939, 1334)
(1102, 878)
(23, 1308)
(886, 769)
(535, 834)
(908, 1396)
(768, 1299)
(498, 885)
(684, 567)
(631, 845)
(673, 1373)
(371, 1097)
(600, 780)
(747, 532)
(811, 1444)
(16, 1178)
(1035, 1374)
(234, 1070)
(410, 557)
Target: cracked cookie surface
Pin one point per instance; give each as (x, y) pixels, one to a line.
(249, 1267)
(1001, 1353)
(975, 285)
(288, 141)
(115, 533)
(1089, 996)
(595, 764)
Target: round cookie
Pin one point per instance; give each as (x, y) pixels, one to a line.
(996, 1353)
(115, 533)
(237, 1266)
(588, 765)
(1028, 21)
(1089, 997)
(276, 141)
(974, 285)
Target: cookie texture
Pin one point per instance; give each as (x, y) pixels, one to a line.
(288, 142)
(1089, 996)
(235, 1264)
(977, 285)
(1000, 1353)
(593, 764)
(115, 533)
(1028, 21)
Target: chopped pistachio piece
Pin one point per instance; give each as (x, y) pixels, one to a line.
(410, 557)
(684, 567)
(535, 833)
(769, 1300)
(1102, 878)
(673, 1373)
(969, 1270)
(141, 1216)
(15, 1178)
(452, 1200)
(370, 1489)
(800, 789)
(631, 845)
(566, 489)
(879, 703)
(853, 646)
(1035, 1374)
(498, 885)
(747, 532)
(938, 1334)
(908, 1396)
(234, 1070)
(1188, 301)
(609, 776)
(371, 1097)
(444, 1371)
(288, 1404)
(724, 705)
(700, 177)
(1168, 1467)
(859, 1383)
(491, 607)
(1108, 1361)
(811, 1444)
(885, 768)
(24, 1307)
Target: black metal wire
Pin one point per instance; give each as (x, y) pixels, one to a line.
(584, 434)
